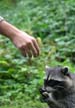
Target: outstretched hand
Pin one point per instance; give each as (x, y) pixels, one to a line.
(24, 42)
(27, 44)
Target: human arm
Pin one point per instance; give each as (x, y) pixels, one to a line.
(26, 43)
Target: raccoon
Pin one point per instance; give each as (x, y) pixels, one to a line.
(58, 90)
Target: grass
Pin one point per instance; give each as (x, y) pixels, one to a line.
(23, 104)
(20, 78)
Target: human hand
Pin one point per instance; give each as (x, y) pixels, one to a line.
(26, 44)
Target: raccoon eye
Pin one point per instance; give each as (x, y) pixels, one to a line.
(53, 83)
(45, 82)
(49, 82)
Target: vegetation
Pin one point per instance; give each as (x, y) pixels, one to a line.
(53, 24)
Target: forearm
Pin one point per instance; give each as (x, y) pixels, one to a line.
(8, 30)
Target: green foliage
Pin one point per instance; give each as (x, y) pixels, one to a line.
(53, 22)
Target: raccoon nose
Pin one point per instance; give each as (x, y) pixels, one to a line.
(42, 90)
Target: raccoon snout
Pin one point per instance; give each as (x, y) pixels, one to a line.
(42, 90)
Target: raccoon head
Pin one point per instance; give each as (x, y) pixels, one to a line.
(56, 85)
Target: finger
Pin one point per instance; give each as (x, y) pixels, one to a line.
(32, 49)
(27, 51)
(36, 47)
(24, 52)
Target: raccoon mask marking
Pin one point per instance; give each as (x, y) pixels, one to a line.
(58, 90)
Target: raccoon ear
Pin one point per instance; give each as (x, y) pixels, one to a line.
(65, 70)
